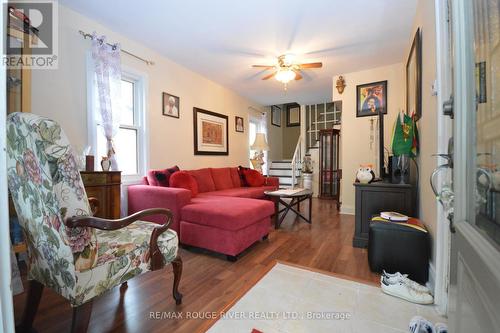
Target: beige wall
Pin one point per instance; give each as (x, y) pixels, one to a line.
(274, 138)
(425, 19)
(290, 137)
(62, 95)
(282, 140)
(355, 132)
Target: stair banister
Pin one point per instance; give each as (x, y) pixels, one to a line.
(297, 156)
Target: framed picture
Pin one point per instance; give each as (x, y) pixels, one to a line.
(276, 115)
(292, 115)
(414, 78)
(371, 98)
(239, 124)
(170, 105)
(210, 133)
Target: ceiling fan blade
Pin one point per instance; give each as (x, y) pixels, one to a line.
(267, 77)
(311, 65)
(298, 76)
(263, 66)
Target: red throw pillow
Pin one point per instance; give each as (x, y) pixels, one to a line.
(161, 177)
(254, 178)
(182, 179)
(243, 181)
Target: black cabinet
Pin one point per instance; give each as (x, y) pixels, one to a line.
(371, 199)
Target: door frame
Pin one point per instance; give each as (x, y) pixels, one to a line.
(444, 89)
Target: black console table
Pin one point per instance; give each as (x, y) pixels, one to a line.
(371, 199)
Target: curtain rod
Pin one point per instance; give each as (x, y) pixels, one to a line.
(89, 36)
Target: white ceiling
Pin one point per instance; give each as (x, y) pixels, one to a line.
(221, 39)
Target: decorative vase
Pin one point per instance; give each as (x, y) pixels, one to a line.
(307, 177)
(105, 163)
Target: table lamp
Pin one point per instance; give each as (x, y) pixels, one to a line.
(259, 145)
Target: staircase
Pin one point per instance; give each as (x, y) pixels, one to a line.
(283, 170)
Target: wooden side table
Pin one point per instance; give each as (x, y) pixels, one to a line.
(105, 186)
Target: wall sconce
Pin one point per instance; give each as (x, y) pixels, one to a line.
(340, 84)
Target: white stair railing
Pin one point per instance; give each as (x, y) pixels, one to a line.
(297, 158)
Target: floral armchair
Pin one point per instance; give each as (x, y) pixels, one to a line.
(77, 255)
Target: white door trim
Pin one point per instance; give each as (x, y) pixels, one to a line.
(444, 88)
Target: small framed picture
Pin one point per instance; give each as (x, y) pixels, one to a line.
(371, 98)
(170, 105)
(276, 115)
(292, 115)
(239, 124)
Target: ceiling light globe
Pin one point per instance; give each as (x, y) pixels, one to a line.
(285, 76)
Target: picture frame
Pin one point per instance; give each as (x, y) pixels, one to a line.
(170, 105)
(371, 99)
(414, 77)
(292, 115)
(239, 124)
(211, 134)
(276, 115)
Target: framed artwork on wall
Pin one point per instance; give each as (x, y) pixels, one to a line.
(292, 115)
(239, 124)
(170, 105)
(371, 98)
(414, 78)
(276, 115)
(210, 133)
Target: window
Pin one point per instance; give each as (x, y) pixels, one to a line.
(129, 141)
(255, 126)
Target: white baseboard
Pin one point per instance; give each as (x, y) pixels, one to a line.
(349, 210)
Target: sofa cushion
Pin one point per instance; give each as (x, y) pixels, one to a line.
(161, 177)
(222, 178)
(253, 178)
(226, 213)
(235, 177)
(204, 179)
(182, 179)
(242, 192)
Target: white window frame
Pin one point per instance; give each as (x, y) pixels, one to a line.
(140, 81)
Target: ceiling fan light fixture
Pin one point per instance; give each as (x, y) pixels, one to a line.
(285, 75)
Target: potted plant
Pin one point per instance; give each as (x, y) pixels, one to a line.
(307, 171)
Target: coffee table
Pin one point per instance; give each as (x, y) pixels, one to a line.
(297, 197)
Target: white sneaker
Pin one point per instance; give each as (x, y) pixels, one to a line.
(421, 325)
(396, 277)
(404, 291)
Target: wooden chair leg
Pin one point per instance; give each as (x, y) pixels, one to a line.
(33, 297)
(177, 266)
(81, 318)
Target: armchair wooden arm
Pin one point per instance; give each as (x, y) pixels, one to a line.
(156, 256)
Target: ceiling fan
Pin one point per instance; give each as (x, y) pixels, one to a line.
(286, 70)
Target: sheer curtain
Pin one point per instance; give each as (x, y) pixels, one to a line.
(258, 124)
(107, 70)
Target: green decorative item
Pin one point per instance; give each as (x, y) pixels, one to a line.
(405, 136)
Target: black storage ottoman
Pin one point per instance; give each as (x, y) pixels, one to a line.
(395, 247)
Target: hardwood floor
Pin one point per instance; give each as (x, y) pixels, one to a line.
(209, 282)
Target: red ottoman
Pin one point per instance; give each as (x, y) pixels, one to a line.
(224, 224)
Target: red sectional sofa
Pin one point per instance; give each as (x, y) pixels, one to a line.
(225, 216)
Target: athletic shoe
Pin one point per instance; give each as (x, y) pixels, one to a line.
(404, 291)
(396, 277)
(441, 328)
(421, 325)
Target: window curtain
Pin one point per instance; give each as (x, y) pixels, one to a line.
(107, 70)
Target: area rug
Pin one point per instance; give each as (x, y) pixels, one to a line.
(293, 299)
